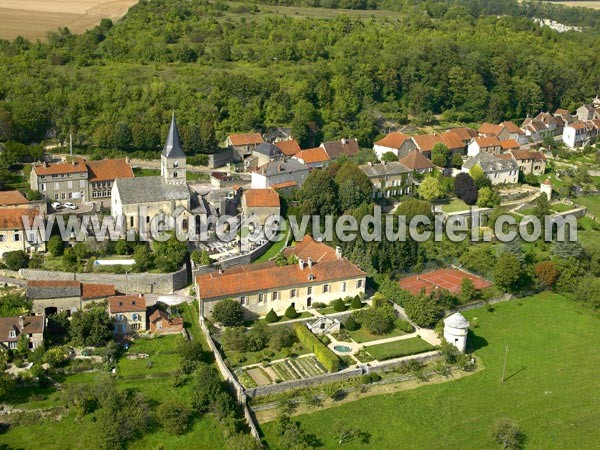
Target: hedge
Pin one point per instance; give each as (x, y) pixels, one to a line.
(325, 356)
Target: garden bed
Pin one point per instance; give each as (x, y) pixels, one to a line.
(399, 348)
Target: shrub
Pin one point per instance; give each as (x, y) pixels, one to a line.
(351, 324)
(356, 303)
(404, 325)
(291, 312)
(271, 317)
(376, 320)
(325, 356)
(369, 378)
(16, 260)
(339, 305)
(366, 379)
(319, 305)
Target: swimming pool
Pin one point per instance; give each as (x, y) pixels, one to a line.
(342, 348)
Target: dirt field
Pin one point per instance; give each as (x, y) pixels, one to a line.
(32, 19)
(590, 4)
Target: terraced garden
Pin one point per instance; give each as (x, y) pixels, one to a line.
(286, 370)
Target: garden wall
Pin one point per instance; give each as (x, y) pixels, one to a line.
(148, 283)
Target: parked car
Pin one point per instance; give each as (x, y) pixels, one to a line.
(57, 206)
(70, 205)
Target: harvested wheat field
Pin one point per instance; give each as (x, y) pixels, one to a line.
(32, 19)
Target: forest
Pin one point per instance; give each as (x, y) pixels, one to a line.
(227, 67)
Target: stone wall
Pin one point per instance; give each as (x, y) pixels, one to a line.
(148, 283)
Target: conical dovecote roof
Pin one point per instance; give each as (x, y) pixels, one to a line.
(173, 147)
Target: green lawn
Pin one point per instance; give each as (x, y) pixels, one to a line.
(163, 356)
(561, 207)
(139, 172)
(275, 248)
(453, 205)
(362, 335)
(592, 202)
(552, 391)
(396, 349)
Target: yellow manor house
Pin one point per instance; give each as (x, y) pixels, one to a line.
(320, 275)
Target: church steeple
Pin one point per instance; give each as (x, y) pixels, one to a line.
(172, 159)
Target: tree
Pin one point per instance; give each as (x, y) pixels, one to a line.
(376, 320)
(411, 207)
(81, 250)
(508, 435)
(547, 273)
(430, 189)
(55, 246)
(467, 290)
(541, 207)
(271, 317)
(291, 312)
(389, 157)
(351, 324)
(487, 198)
(354, 187)
(423, 310)
(440, 154)
(16, 260)
(169, 255)
(228, 313)
(282, 337)
(258, 337)
(339, 305)
(91, 327)
(143, 258)
(567, 249)
(479, 177)
(456, 161)
(206, 384)
(465, 188)
(174, 416)
(356, 302)
(507, 272)
(318, 194)
(587, 292)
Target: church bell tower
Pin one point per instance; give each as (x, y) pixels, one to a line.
(172, 159)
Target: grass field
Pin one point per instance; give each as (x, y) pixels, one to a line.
(400, 348)
(362, 335)
(453, 205)
(32, 19)
(591, 202)
(552, 389)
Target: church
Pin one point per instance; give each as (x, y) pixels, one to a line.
(142, 199)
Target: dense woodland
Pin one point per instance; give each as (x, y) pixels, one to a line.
(229, 67)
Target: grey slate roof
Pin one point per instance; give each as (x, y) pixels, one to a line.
(268, 149)
(490, 163)
(382, 170)
(282, 166)
(173, 147)
(55, 289)
(149, 189)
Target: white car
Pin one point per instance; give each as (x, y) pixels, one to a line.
(70, 205)
(57, 206)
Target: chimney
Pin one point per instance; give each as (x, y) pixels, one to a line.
(338, 252)
(21, 323)
(301, 263)
(309, 262)
(45, 163)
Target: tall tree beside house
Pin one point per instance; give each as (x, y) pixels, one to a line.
(440, 154)
(389, 157)
(91, 327)
(479, 177)
(488, 198)
(228, 313)
(465, 188)
(318, 194)
(354, 187)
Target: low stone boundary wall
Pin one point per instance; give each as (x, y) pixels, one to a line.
(148, 283)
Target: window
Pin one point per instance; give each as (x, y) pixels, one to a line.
(81, 183)
(359, 284)
(63, 196)
(292, 293)
(12, 345)
(261, 298)
(70, 195)
(275, 296)
(325, 288)
(175, 164)
(135, 316)
(69, 184)
(131, 221)
(243, 300)
(1, 238)
(56, 186)
(43, 187)
(174, 174)
(55, 196)
(17, 237)
(31, 237)
(135, 326)
(309, 290)
(12, 334)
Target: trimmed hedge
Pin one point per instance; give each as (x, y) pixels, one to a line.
(271, 317)
(291, 312)
(325, 356)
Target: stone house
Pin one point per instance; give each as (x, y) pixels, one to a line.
(315, 158)
(515, 132)
(416, 162)
(575, 135)
(288, 147)
(490, 130)
(13, 199)
(53, 296)
(529, 161)
(499, 171)
(243, 144)
(389, 179)
(128, 313)
(391, 143)
(13, 234)
(101, 177)
(260, 203)
(12, 328)
(61, 182)
(262, 154)
(489, 144)
(321, 274)
(162, 323)
(277, 172)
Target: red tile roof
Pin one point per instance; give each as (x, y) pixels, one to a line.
(509, 144)
(267, 277)
(109, 169)
(452, 140)
(512, 127)
(489, 141)
(246, 139)
(578, 125)
(312, 155)
(12, 218)
(425, 142)
(464, 133)
(91, 291)
(335, 149)
(393, 140)
(528, 154)
(490, 129)
(12, 198)
(416, 161)
(126, 303)
(160, 314)
(58, 284)
(449, 279)
(261, 198)
(289, 147)
(76, 166)
(283, 185)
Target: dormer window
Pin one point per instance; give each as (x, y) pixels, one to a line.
(12, 334)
